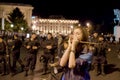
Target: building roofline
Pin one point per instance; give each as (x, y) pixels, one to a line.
(16, 4)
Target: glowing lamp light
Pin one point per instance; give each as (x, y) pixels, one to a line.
(71, 27)
(11, 25)
(87, 24)
(22, 28)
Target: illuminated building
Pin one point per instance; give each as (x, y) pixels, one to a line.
(6, 8)
(62, 26)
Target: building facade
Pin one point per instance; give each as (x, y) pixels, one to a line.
(6, 8)
(62, 26)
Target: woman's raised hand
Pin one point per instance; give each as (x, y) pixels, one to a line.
(69, 42)
(75, 40)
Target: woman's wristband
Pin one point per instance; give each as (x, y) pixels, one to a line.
(72, 51)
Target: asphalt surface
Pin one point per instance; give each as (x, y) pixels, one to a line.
(113, 69)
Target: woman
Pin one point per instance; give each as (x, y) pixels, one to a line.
(75, 67)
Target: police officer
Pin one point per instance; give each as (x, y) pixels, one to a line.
(2, 55)
(99, 56)
(9, 42)
(49, 47)
(17, 43)
(32, 48)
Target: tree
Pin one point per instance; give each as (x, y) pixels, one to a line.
(17, 19)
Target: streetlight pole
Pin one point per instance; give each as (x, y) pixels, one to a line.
(3, 21)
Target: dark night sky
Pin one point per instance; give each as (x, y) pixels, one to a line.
(99, 11)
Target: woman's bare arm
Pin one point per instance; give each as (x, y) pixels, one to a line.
(72, 56)
(65, 57)
(72, 60)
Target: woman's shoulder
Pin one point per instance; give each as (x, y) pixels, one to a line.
(80, 60)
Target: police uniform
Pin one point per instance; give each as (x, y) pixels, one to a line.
(30, 59)
(99, 57)
(9, 43)
(48, 54)
(17, 43)
(2, 56)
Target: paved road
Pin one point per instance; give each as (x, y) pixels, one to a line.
(113, 69)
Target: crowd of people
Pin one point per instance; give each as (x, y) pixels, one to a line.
(76, 53)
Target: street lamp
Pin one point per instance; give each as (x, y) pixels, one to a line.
(71, 26)
(89, 27)
(11, 25)
(88, 24)
(22, 28)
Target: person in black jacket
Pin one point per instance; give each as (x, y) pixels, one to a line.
(32, 46)
(17, 43)
(49, 47)
(2, 55)
(99, 56)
